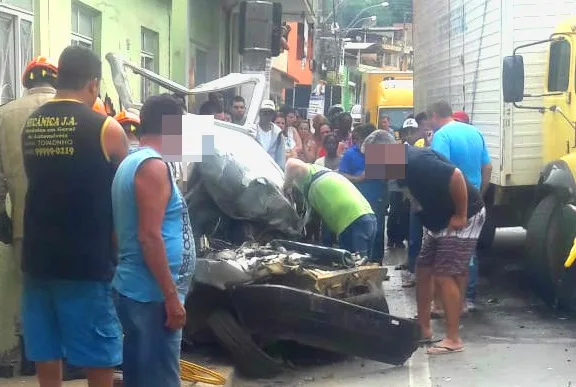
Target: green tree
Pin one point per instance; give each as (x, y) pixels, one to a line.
(396, 12)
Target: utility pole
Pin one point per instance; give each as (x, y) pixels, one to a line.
(318, 53)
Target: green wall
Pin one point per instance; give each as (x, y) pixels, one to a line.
(118, 30)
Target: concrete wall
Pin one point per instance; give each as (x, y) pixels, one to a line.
(207, 40)
(118, 29)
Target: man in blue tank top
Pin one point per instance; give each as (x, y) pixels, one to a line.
(156, 255)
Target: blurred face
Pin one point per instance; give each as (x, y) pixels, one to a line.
(304, 127)
(385, 123)
(412, 135)
(290, 119)
(324, 131)
(281, 122)
(238, 109)
(435, 122)
(266, 116)
(331, 146)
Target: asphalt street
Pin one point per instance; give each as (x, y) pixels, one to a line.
(513, 340)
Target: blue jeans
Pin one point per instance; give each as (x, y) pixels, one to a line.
(151, 351)
(415, 241)
(327, 236)
(359, 236)
(472, 279)
(377, 254)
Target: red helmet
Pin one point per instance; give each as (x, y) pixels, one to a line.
(99, 107)
(39, 68)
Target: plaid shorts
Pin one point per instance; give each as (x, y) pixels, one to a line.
(448, 252)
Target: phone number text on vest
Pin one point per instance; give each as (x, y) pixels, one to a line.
(54, 151)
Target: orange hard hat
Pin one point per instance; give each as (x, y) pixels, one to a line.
(129, 121)
(99, 107)
(40, 66)
(125, 117)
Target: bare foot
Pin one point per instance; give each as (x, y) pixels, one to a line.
(445, 347)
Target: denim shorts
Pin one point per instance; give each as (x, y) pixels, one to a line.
(75, 320)
(151, 351)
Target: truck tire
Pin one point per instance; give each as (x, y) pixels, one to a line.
(249, 359)
(544, 248)
(372, 300)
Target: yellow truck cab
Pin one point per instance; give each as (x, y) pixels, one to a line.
(386, 93)
(395, 101)
(552, 224)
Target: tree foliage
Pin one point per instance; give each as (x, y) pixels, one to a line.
(397, 11)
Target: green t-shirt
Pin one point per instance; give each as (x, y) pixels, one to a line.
(334, 198)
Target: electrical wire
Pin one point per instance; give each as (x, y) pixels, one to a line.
(190, 372)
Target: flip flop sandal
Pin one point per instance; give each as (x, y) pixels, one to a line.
(442, 350)
(429, 340)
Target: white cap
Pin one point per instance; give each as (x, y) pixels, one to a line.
(356, 112)
(268, 104)
(410, 123)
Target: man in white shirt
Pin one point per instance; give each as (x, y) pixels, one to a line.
(269, 135)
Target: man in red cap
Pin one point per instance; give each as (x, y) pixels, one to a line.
(461, 116)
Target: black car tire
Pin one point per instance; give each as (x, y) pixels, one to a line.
(249, 359)
(372, 300)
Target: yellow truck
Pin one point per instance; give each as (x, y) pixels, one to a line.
(512, 67)
(386, 93)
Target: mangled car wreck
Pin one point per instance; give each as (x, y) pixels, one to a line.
(255, 284)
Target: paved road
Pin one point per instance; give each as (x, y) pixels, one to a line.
(513, 340)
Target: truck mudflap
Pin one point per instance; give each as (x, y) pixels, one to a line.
(286, 313)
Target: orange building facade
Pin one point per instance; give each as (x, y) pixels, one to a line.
(300, 54)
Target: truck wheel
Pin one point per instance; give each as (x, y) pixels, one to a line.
(250, 360)
(544, 248)
(372, 300)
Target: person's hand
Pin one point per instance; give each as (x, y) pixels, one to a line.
(457, 222)
(175, 313)
(428, 137)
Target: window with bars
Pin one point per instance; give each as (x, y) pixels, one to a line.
(16, 40)
(83, 21)
(149, 60)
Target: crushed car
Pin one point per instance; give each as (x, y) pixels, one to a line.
(255, 284)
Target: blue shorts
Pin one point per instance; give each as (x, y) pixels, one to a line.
(75, 320)
(151, 351)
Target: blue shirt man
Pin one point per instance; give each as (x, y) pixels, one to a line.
(156, 255)
(465, 147)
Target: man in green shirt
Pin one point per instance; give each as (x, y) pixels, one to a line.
(343, 209)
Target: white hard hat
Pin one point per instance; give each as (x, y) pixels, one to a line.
(410, 123)
(268, 104)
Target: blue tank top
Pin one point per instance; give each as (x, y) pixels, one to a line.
(133, 279)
